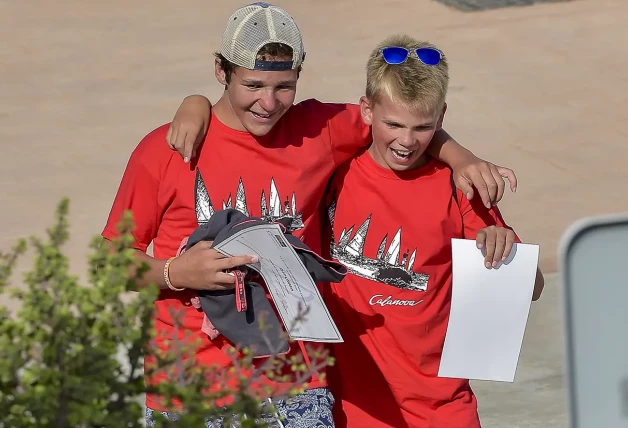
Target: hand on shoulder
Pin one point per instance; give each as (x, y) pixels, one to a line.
(488, 179)
(189, 126)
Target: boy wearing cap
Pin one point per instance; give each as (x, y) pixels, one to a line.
(262, 155)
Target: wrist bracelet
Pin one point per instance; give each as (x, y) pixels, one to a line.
(167, 275)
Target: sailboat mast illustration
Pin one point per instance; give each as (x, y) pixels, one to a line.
(263, 205)
(392, 256)
(411, 262)
(203, 205)
(344, 237)
(275, 202)
(241, 200)
(228, 204)
(382, 247)
(355, 247)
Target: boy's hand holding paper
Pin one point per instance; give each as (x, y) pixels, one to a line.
(489, 311)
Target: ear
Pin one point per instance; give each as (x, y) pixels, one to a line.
(367, 112)
(439, 123)
(221, 76)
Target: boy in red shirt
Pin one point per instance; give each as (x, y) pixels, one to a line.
(393, 212)
(261, 152)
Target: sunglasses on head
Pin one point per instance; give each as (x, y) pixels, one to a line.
(398, 55)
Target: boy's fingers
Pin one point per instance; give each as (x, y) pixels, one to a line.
(466, 188)
(510, 242)
(188, 147)
(500, 243)
(464, 185)
(180, 143)
(490, 249)
(480, 239)
(492, 186)
(168, 136)
(173, 138)
(509, 175)
(232, 262)
(501, 186)
(224, 279)
(483, 191)
(478, 178)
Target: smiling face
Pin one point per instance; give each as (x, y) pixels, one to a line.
(400, 136)
(255, 100)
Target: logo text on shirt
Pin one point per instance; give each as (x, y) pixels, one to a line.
(380, 300)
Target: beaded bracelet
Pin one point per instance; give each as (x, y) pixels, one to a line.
(167, 275)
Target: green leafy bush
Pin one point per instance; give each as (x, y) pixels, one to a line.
(71, 355)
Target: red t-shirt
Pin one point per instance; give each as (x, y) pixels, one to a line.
(393, 231)
(282, 173)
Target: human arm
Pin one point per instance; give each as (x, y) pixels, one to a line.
(471, 171)
(348, 134)
(200, 267)
(189, 126)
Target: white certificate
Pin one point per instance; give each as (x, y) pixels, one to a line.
(292, 288)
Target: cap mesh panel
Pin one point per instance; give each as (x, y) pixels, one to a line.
(252, 27)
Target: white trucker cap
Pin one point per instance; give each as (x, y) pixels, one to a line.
(253, 26)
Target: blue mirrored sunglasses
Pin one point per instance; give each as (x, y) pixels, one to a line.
(397, 55)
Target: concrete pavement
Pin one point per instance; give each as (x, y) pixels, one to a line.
(538, 396)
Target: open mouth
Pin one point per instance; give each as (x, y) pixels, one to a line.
(264, 116)
(401, 155)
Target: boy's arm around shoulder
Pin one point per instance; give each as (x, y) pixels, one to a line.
(189, 126)
(341, 124)
(475, 217)
(470, 171)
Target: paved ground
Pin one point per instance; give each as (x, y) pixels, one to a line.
(541, 89)
(537, 397)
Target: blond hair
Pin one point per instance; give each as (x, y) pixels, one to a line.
(411, 84)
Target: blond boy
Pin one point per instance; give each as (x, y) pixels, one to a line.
(393, 211)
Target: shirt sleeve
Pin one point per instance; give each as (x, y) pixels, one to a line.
(347, 131)
(139, 190)
(476, 216)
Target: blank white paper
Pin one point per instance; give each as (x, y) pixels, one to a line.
(489, 312)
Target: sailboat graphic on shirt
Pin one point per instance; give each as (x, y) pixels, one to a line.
(385, 267)
(271, 212)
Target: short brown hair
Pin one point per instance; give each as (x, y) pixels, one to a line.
(268, 52)
(411, 84)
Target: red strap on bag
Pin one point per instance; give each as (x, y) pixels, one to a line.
(240, 292)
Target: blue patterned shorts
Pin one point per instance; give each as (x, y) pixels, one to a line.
(312, 409)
